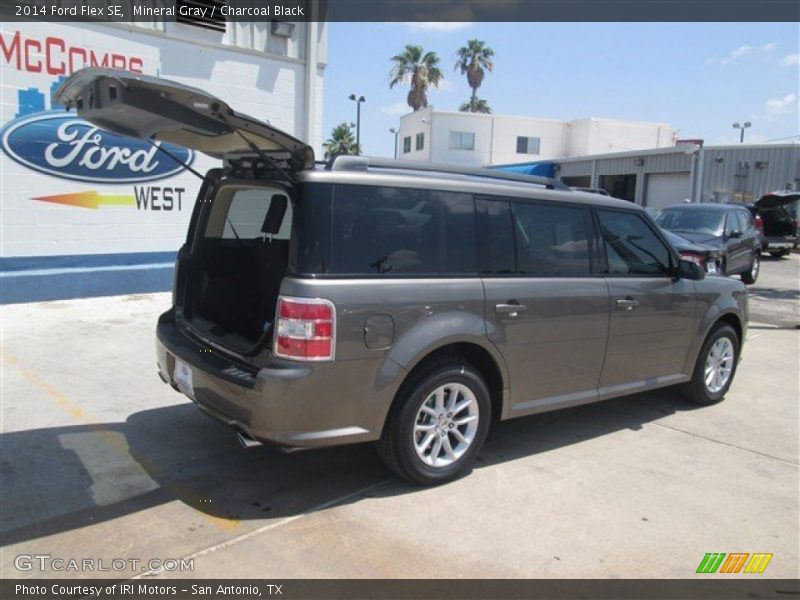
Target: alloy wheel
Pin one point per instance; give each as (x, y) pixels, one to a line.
(719, 365)
(445, 425)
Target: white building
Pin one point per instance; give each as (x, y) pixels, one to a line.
(478, 139)
(271, 71)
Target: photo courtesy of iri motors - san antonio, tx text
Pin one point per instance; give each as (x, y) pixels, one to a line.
(69, 188)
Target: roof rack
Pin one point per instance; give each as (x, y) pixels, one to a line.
(364, 163)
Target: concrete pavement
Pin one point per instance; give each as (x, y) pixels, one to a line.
(101, 460)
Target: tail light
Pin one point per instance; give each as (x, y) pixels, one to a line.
(697, 259)
(759, 223)
(306, 329)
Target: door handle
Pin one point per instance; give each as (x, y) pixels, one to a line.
(511, 309)
(627, 303)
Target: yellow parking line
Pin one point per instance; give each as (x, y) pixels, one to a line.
(116, 443)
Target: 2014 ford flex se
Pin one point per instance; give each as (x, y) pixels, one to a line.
(408, 304)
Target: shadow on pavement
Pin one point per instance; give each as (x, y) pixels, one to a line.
(63, 478)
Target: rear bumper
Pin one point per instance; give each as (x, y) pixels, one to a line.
(782, 243)
(285, 403)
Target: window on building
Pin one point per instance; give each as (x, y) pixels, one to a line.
(462, 140)
(551, 240)
(407, 144)
(420, 141)
(213, 18)
(528, 145)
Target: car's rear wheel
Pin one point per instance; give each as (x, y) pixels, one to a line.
(715, 366)
(750, 276)
(779, 253)
(437, 425)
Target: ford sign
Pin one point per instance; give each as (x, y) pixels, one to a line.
(60, 144)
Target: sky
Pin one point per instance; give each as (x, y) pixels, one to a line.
(698, 77)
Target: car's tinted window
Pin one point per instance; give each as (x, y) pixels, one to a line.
(632, 247)
(394, 231)
(497, 237)
(309, 250)
(551, 240)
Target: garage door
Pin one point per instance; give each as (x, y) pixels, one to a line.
(664, 189)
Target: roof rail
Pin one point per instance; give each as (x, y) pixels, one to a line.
(364, 163)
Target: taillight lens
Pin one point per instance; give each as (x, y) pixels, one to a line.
(759, 223)
(305, 329)
(697, 259)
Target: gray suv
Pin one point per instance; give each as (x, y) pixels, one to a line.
(407, 304)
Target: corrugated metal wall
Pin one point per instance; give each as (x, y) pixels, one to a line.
(722, 173)
(746, 173)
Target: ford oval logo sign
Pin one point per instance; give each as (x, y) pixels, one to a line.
(61, 144)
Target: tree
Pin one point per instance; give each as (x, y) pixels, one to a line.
(473, 60)
(341, 141)
(420, 70)
(476, 105)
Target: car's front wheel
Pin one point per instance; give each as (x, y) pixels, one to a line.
(715, 366)
(437, 425)
(750, 276)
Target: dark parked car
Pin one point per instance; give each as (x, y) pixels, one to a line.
(707, 257)
(408, 304)
(779, 226)
(729, 228)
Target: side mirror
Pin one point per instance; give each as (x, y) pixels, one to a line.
(735, 234)
(690, 270)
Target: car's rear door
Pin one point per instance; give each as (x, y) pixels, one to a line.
(652, 312)
(546, 309)
(152, 108)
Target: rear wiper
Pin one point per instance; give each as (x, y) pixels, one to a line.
(268, 160)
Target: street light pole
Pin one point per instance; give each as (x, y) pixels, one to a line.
(396, 133)
(358, 100)
(741, 127)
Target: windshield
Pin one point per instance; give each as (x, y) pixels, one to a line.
(711, 222)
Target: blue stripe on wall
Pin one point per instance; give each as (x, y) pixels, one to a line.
(40, 278)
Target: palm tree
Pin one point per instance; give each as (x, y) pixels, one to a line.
(473, 60)
(420, 70)
(476, 105)
(341, 141)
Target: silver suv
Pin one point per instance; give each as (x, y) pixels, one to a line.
(407, 304)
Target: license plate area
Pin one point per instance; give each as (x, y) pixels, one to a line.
(182, 375)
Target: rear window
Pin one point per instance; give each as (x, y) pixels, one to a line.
(355, 230)
(399, 231)
(244, 213)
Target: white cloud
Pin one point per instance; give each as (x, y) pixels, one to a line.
(441, 26)
(790, 60)
(445, 85)
(781, 106)
(397, 109)
(743, 51)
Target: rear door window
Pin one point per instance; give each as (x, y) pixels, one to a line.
(398, 231)
(551, 240)
(632, 247)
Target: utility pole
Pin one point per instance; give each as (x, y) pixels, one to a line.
(358, 100)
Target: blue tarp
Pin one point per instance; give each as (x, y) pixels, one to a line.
(542, 168)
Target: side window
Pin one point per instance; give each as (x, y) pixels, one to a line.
(407, 144)
(632, 247)
(496, 233)
(395, 231)
(250, 213)
(744, 220)
(551, 240)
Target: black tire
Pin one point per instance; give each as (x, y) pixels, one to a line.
(396, 445)
(751, 275)
(696, 390)
(779, 253)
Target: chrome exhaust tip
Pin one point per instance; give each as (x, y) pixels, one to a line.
(246, 441)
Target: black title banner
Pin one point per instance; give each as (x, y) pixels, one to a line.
(401, 10)
(393, 589)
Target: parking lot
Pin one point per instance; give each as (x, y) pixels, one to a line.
(101, 460)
